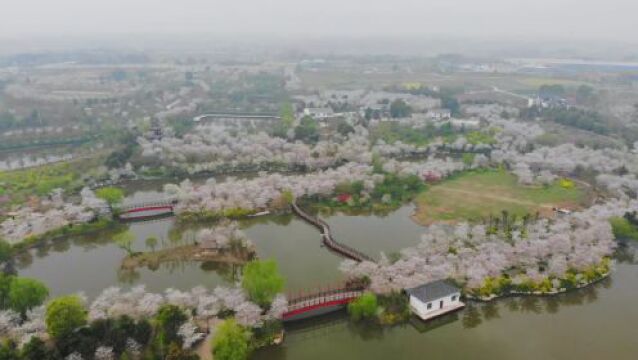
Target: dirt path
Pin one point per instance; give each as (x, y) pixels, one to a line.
(205, 349)
(497, 198)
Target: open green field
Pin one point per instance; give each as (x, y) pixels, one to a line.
(536, 82)
(475, 195)
(17, 186)
(356, 79)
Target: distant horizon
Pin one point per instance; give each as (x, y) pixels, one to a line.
(543, 19)
(324, 45)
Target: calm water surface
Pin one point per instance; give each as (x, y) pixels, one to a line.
(598, 322)
(91, 263)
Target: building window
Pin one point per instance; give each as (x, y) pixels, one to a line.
(454, 298)
(429, 306)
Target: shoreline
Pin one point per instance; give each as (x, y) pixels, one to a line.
(152, 260)
(516, 293)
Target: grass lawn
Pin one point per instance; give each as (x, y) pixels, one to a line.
(537, 82)
(475, 195)
(20, 185)
(623, 229)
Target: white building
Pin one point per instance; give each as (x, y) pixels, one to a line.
(439, 114)
(319, 113)
(468, 124)
(434, 299)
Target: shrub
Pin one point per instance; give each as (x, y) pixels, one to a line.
(566, 183)
(364, 307)
(231, 341)
(110, 194)
(544, 286)
(395, 308)
(65, 314)
(25, 294)
(262, 281)
(495, 286)
(169, 319)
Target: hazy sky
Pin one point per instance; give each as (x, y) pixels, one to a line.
(581, 19)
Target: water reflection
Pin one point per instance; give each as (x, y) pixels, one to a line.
(472, 316)
(475, 313)
(626, 252)
(436, 323)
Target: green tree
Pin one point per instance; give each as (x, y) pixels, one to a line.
(585, 94)
(231, 341)
(8, 120)
(36, 349)
(6, 251)
(169, 319)
(262, 281)
(551, 91)
(9, 351)
(6, 258)
(125, 241)
(307, 130)
(25, 294)
(110, 194)
(287, 115)
(451, 103)
(344, 128)
(120, 157)
(151, 242)
(176, 352)
(5, 288)
(400, 109)
(468, 158)
(288, 196)
(65, 314)
(364, 307)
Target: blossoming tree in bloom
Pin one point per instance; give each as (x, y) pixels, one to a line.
(468, 254)
(137, 303)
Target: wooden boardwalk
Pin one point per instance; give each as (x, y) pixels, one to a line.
(327, 238)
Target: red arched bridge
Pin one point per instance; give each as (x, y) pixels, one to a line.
(327, 238)
(146, 210)
(301, 306)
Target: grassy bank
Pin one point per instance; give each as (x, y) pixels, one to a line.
(20, 185)
(154, 259)
(476, 195)
(494, 287)
(66, 231)
(624, 229)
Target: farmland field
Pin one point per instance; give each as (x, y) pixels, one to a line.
(476, 195)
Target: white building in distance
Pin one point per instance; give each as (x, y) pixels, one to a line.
(319, 113)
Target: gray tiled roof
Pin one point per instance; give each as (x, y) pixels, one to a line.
(433, 290)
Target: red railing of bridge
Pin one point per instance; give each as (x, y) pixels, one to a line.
(304, 303)
(140, 211)
(146, 205)
(150, 208)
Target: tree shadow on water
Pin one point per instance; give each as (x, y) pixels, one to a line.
(471, 316)
(531, 304)
(366, 330)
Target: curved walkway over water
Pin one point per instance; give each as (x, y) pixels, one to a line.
(321, 302)
(327, 238)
